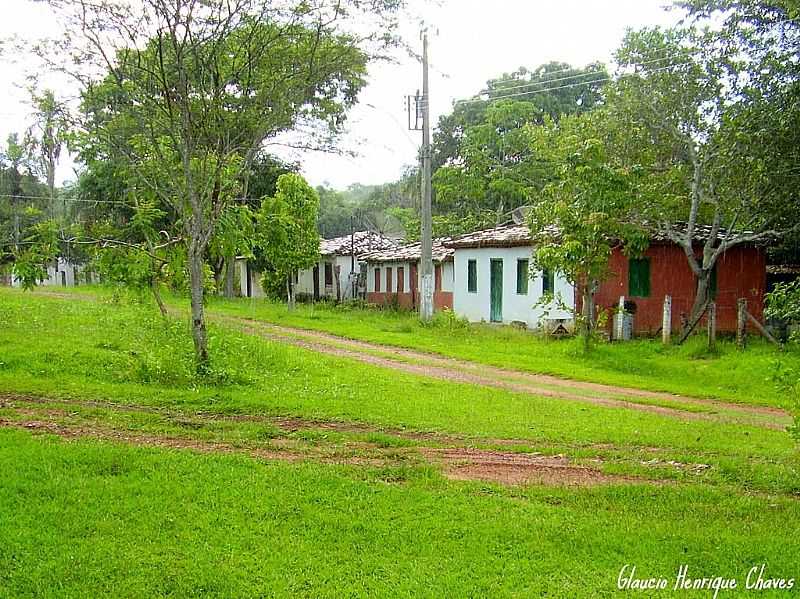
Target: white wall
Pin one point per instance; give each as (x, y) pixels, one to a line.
(256, 289)
(384, 266)
(55, 278)
(476, 306)
(305, 278)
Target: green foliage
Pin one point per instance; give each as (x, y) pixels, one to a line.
(579, 218)
(448, 320)
(716, 140)
(483, 160)
(783, 302)
(287, 238)
(38, 248)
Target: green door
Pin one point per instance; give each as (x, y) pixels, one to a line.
(496, 285)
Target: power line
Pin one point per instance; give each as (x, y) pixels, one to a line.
(576, 76)
(551, 89)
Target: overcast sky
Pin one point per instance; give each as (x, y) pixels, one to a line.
(477, 40)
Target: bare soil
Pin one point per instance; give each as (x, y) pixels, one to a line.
(457, 461)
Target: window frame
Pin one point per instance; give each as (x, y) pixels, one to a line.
(548, 282)
(525, 274)
(472, 275)
(639, 289)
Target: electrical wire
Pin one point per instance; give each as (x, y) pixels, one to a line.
(551, 89)
(559, 79)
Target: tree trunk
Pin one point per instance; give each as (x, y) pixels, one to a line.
(289, 293)
(230, 271)
(588, 316)
(701, 295)
(196, 281)
(157, 296)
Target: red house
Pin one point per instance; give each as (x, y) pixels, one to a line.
(741, 272)
(393, 276)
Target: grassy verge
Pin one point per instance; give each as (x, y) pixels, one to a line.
(728, 374)
(362, 513)
(89, 518)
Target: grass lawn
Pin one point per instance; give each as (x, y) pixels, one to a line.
(646, 364)
(95, 512)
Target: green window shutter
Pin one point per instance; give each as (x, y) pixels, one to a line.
(548, 282)
(639, 277)
(472, 276)
(522, 277)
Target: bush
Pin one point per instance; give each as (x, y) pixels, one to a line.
(448, 320)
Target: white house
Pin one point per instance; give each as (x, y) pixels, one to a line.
(249, 278)
(336, 275)
(393, 275)
(61, 273)
(494, 281)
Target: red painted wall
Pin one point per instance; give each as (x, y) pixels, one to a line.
(741, 273)
(441, 299)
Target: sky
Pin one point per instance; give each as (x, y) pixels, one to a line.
(472, 41)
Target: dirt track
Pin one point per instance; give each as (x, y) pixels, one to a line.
(457, 459)
(462, 371)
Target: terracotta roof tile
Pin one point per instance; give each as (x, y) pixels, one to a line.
(411, 252)
(363, 242)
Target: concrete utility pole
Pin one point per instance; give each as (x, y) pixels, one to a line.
(426, 259)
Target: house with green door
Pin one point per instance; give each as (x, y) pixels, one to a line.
(494, 280)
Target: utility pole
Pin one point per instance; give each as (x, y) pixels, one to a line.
(426, 259)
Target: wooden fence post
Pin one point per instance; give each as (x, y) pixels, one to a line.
(712, 325)
(619, 323)
(741, 323)
(666, 321)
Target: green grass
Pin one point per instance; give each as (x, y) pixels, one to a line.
(90, 517)
(744, 377)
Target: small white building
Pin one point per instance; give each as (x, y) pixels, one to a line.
(494, 281)
(60, 273)
(336, 275)
(393, 275)
(249, 278)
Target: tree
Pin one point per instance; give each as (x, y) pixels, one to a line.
(196, 89)
(46, 138)
(233, 236)
(137, 254)
(711, 182)
(287, 237)
(483, 159)
(763, 39)
(581, 216)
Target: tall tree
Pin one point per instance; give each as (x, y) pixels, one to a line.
(287, 239)
(485, 166)
(762, 37)
(192, 90)
(46, 138)
(581, 215)
(711, 185)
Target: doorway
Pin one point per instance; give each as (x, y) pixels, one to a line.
(496, 286)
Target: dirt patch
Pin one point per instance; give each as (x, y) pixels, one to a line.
(457, 463)
(517, 468)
